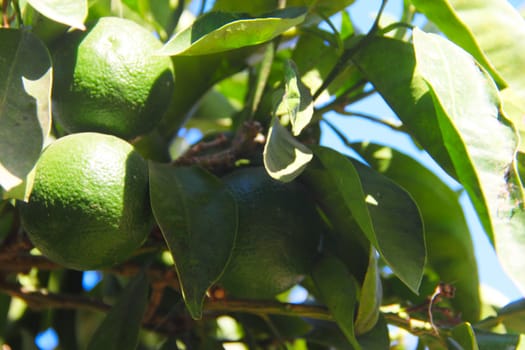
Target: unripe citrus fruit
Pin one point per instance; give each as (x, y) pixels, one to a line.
(89, 207)
(108, 79)
(277, 238)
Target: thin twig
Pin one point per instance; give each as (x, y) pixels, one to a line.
(347, 54)
(244, 143)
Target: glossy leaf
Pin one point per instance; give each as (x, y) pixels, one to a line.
(480, 142)
(70, 12)
(285, 158)
(500, 37)
(370, 297)
(338, 290)
(25, 107)
(390, 65)
(443, 15)
(464, 335)
(449, 244)
(221, 31)
(198, 219)
(296, 104)
(325, 7)
(120, 328)
(349, 188)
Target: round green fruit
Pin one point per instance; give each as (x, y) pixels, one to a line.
(89, 206)
(277, 238)
(108, 79)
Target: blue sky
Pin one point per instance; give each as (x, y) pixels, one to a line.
(491, 274)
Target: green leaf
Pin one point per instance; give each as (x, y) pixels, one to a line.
(513, 316)
(338, 290)
(296, 104)
(25, 107)
(198, 219)
(285, 158)
(500, 37)
(390, 65)
(480, 142)
(222, 31)
(195, 76)
(464, 335)
(120, 328)
(449, 244)
(443, 15)
(70, 12)
(377, 338)
(349, 188)
(496, 341)
(370, 298)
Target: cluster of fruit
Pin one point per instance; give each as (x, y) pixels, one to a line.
(90, 207)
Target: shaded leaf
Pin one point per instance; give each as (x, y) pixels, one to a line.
(449, 243)
(198, 219)
(377, 338)
(443, 15)
(285, 158)
(464, 335)
(376, 204)
(370, 297)
(481, 143)
(496, 341)
(405, 91)
(296, 103)
(120, 328)
(315, 58)
(195, 76)
(25, 107)
(222, 31)
(338, 290)
(70, 12)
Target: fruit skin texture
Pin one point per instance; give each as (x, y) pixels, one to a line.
(89, 207)
(277, 238)
(108, 79)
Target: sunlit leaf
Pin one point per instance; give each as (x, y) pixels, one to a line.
(338, 291)
(296, 103)
(25, 107)
(390, 65)
(449, 244)
(480, 142)
(349, 188)
(285, 158)
(70, 12)
(198, 219)
(513, 316)
(442, 14)
(222, 31)
(120, 328)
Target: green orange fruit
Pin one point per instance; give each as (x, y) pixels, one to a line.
(277, 238)
(89, 206)
(109, 79)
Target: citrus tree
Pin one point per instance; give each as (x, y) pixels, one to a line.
(256, 235)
